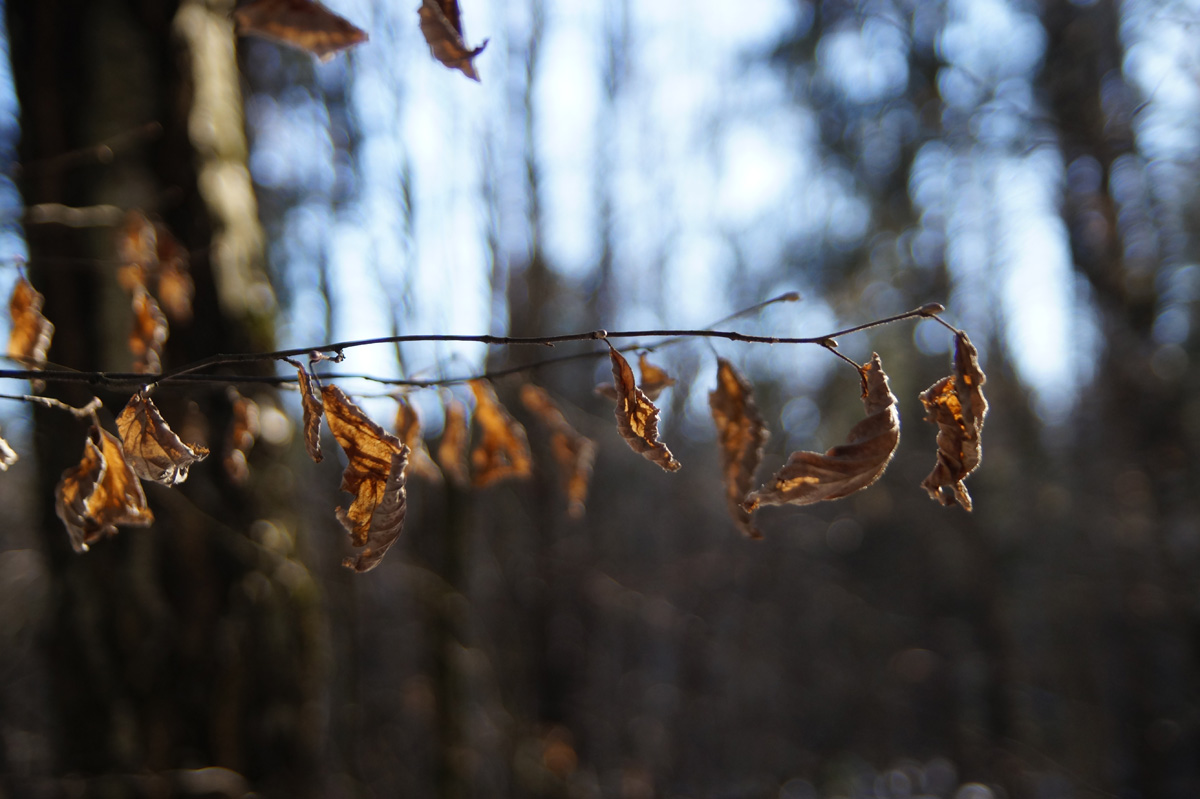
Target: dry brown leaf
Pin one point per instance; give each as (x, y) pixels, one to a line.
(136, 250)
(637, 417)
(810, 477)
(243, 432)
(313, 410)
(741, 436)
(654, 378)
(8, 456)
(574, 453)
(29, 339)
(503, 449)
(374, 475)
(957, 405)
(151, 447)
(172, 278)
(100, 492)
(452, 449)
(303, 24)
(441, 24)
(149, 333)
(408, 430)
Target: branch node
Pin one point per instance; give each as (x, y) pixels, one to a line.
(931, 309)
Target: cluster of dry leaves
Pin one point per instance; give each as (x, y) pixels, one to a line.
(103, 491)
(309, 26)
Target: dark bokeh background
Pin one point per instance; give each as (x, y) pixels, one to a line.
(1031, 164)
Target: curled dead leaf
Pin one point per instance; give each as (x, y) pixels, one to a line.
(503, 449)
(408, 430)
(957, 406)
(100, 492)
(741, 436)
(452, 449)
(374, 474)
(637, 416)
(29, 338)
(654, 378)
(303, 24)
(441, 24)
(172, 278)
(151, 447)
(136, 250)
(573, 452)
(313, 410)
(243, 432)
(149, 333)
(810, 477)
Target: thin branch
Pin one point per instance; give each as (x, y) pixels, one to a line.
(50, 402)
(189, 372)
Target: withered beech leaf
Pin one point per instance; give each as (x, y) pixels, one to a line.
(574, 453)
(172, 277)
(375, 463)
(503, 449)
(654, 378)
(243, 432)
(149, 333)
(810, 477)
(136, 249)
(100, 492)
(408, 430)
(452, 449)
(151, 447)
(637, 416)
(957, 405)
(741, 436)
(313, 410)
(441, 24)
(29, 339)
(303, 24)
(8, 455)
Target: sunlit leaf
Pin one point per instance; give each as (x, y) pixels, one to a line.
(29, 339)
(313, 409)
(654, 379)
(741, 436)
(243, 432)
(573, 452)
(503, 449)
(303, 24)
(374, 475)
(408, 430)
(452, 449)
(441, 24)
(957, 405)
(100, 492)
(136, 249)
(810, 477)
(151, 447)
(8, 456)
(149, 333)
(172, 279)
(637, 416)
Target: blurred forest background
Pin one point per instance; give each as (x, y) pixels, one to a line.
(1033, 165)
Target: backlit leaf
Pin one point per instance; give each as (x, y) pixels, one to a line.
(100, 492)
(374, 474)
(957, 406)
(503, 449)
(637, 416)
(151, 447)
(313, 410)
(810, 477)
(29, 339)
(172, 279)
(303, 24)
(441, 24)
(452, 449)
(654, 379)
(573, 452)
(741, 436)
(7, 456)
(149, 333)
(408, 430)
